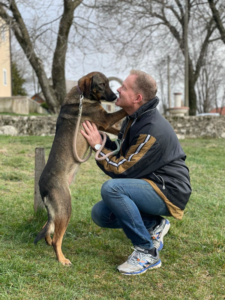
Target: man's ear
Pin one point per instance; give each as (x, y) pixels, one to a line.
(139, 99)
(85, 85)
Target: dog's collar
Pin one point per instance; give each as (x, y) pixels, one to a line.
(79, 91)
(84, 99)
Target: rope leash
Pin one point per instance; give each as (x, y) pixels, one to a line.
(78, 159)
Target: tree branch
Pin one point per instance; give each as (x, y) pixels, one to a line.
(217, 19)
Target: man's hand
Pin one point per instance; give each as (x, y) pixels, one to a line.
(91, 134)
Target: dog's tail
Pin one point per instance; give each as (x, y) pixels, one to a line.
(46, 230)
(49, 226)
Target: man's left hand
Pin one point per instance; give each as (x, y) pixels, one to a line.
(91, 134)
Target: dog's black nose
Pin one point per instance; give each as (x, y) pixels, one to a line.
(113, 97)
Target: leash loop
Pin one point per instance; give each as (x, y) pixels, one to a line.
(78, 159)
(118, 144)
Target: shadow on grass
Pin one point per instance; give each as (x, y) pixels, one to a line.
(26, 230)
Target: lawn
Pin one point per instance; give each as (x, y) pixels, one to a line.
(193, 258)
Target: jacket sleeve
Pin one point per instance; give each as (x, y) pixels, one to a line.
(111, 145)
(141, 159)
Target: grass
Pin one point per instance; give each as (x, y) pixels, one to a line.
(193, 259)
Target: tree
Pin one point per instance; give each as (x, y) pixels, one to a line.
(144, 25)
(17, 82)
(210, 84)
(10, 12)
(219, 17)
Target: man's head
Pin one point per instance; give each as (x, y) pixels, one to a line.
(137, 89)
(144, 84)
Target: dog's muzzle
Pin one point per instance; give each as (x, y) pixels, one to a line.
(112, 97)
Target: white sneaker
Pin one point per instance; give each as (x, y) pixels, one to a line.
(159, 232)
(139, 262)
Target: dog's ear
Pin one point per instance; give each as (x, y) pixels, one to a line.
(85, 85)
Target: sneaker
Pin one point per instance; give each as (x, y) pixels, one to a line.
(159, 232)
(139, 262)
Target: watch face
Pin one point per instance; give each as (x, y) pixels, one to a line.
(97, 147)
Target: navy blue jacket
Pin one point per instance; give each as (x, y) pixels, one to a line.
(151, 151)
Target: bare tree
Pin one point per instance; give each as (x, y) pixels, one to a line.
(219, 16)
(210, 84)
(144, 25)
(27, 38)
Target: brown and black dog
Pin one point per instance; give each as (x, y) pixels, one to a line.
(61, 167)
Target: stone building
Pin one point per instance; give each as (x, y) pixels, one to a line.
(5, 61)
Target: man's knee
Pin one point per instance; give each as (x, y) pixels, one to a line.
(109, 187)
(96, 214)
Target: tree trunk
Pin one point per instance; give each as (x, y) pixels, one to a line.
(192, 98)
(59, 59)
(192, 93)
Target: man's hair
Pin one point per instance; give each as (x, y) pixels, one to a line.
(144, 84)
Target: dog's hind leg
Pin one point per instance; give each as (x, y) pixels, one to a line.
(60, 229)
(61, 220)
(48, 237)
(48, 240)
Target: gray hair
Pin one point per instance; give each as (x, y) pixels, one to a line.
(144, 84)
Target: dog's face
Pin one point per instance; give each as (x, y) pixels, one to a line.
(95, 86)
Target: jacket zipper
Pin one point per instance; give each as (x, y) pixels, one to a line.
(161, 179)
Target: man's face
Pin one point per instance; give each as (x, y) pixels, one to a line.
(126, 94)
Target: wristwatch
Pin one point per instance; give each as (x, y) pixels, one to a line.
(97, 147)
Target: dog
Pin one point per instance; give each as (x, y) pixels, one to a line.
(61, 166)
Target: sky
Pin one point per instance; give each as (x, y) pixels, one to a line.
(36, 13)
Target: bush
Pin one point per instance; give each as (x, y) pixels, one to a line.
(44, 105)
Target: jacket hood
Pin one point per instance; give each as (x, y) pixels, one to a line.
(150, 105)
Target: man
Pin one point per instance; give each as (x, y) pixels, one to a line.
(149, 174)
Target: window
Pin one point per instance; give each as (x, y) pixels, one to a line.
(4, 77)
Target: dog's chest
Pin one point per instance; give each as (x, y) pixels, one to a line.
(72, 173)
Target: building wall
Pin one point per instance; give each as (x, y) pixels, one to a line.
(5, 63)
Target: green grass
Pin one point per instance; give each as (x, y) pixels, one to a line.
(193, 259)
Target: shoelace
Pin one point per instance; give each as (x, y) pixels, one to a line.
(135, 257)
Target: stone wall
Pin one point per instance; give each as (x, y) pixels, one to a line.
(185, 127)
(24, 125)
(20, 105)
(196, 127)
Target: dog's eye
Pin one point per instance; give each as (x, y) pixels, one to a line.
(102, 84)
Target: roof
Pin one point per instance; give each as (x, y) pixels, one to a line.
(220, 110)
(39, 98)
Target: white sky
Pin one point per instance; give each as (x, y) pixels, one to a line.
(34, 12)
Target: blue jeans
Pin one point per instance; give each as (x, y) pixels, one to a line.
(130, 204)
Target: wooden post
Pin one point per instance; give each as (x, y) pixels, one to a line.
(39, 166)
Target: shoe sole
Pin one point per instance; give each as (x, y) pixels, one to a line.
(164, 232)
(155, 266)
